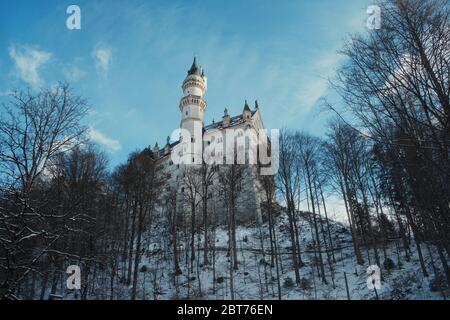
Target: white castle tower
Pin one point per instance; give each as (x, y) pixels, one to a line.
(192, 105)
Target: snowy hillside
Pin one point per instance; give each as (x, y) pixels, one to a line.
(256, 279)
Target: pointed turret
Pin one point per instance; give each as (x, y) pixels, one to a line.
(195, 69)
(167, 146)
(246, 107)
(246, 113)
(226, 118)
(156, 151)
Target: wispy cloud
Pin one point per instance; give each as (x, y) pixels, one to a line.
(299, 86)
(103, 57)
(315, 83)
(73, 73)
(27, 62)
(110, 144)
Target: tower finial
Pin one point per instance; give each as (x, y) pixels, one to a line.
(156, 150)
(256, 104)
(194, 68)
(246, 107)
(225, 112)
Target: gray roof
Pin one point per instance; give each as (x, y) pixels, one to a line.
(233, 122)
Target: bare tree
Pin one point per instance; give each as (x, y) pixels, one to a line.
(232, 180)
(147, 182)
(269, 189)
(309, 151)
(34, 128)
(288, 183)
(207, 175)
(396, 84)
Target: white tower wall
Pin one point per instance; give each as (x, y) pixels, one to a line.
(192, 108)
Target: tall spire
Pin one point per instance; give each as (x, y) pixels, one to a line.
(194, 68)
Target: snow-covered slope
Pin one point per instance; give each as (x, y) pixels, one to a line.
(256, 278)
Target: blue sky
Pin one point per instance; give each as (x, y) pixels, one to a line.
(130, 58)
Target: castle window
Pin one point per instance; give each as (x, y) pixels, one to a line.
(186, 113)
(182, 189)
(193, 159)
(238, 188)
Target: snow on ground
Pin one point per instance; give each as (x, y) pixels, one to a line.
(256, 279)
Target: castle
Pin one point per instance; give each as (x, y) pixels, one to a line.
(187, 147)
